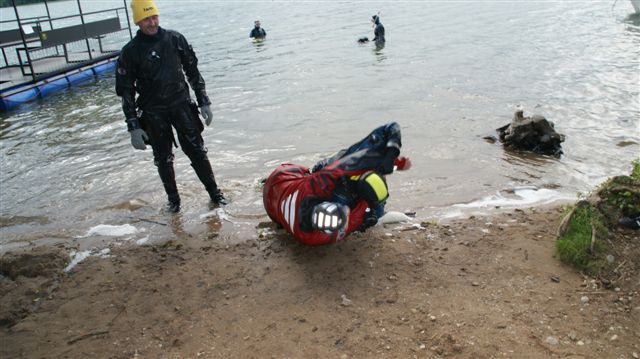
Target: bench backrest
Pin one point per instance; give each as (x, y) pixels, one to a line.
(10, 36)
(73, 33)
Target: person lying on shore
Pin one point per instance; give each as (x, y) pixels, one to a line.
(339, 195)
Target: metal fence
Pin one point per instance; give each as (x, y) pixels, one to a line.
(39, 47)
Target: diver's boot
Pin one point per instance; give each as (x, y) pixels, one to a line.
(168, 177)
(630, 222)
(173, 205)
(217, 198)
(205, 174)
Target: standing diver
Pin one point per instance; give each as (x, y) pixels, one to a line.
(153, 65)
(339, 195)
(257, 32)
(378, 31)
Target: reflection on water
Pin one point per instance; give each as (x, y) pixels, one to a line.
(259, 45)
(516, 158)
(378, 47)
(18, 220)
(177, 227)
(447, 75)
(633, 19)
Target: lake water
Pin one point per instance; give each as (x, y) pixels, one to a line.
(450, 73)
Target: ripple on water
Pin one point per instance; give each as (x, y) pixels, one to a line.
(448, 75)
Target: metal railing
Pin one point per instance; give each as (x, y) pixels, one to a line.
(80, 40)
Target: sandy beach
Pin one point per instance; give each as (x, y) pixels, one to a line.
(482, 287)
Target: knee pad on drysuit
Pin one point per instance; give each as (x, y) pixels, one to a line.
(372, 188)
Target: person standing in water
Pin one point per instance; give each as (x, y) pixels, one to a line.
(258, 33)
(153, 65)
(378, 31)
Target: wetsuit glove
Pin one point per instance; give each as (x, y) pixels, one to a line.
(387, 162)
(138, 136)
(205, 110)
(330, 217)
(402, 163)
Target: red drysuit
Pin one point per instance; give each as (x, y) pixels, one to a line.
(291, 192)
(286, 196)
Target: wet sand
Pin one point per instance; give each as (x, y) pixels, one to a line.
(483, 287)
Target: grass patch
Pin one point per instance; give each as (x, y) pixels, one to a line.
(635, 173)
(575, 246)
(616, 198)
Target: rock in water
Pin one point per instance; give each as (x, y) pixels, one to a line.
(534, 134)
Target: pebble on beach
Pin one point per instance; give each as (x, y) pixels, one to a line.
(345, 301)
(584, 299)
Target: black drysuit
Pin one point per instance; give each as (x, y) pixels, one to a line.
(258, 33)
(155, 68)
(378, 33)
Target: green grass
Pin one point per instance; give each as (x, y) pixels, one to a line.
(618, 197)
(635, 173)
(575, 247)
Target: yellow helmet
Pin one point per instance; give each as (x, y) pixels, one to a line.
(142, 9)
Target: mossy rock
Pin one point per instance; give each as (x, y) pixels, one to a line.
(583, 232)
(619, 197)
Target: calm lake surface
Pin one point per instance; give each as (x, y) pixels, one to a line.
(450, 73)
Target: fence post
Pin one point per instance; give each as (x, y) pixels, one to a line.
(24, 42)
(128, 21)
(86, 39)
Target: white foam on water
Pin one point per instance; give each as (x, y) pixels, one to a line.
(79, 257)
(523, 196)
(142, 241)
(76, 258)
(454, 213)
(520, 197)
(111, 231)
(218, 212)
(394, 217)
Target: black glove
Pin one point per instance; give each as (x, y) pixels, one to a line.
(370, 220)
(387, 163)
